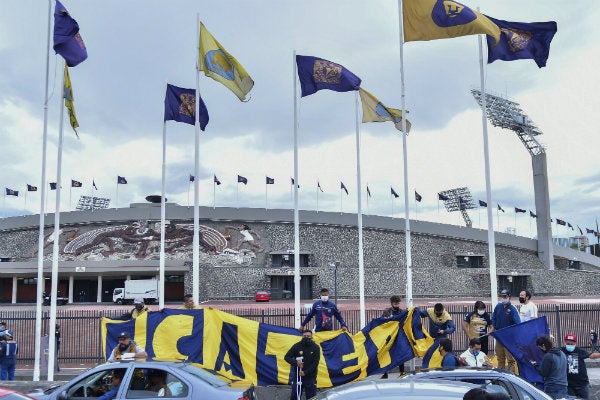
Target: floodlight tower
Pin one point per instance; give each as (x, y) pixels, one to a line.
(459, 199)
(509, 115)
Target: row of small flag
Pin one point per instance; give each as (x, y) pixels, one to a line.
(74, 184)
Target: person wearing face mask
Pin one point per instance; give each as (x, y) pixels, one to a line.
(325, 311)
(139, 308)
(553, 368)
(440, 322)
(304, 356)
(394, 309)
(504, 315)
(476, 323)
(126, 345)
(577, 376)
(528, 310)
(474, 356)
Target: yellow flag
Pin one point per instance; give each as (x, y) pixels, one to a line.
(68, 95)
(217, 63)
(375, 111)
(440, 19)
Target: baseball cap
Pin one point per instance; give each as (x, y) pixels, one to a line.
(9, 333)
(570, 336)
(124, 335)
(505, 292)
(138, 300)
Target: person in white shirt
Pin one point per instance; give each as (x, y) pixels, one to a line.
(474, 356)
(528, 309)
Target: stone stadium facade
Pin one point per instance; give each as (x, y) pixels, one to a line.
(100, 249)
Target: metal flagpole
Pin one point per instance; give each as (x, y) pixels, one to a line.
(297, 321)
(161, 267)
(40, 265)
(361, 264)
(318, 183)
(196, 238)
(214, 192)
(55, 247)
(266, 198)
(488, 190)
(409, 294)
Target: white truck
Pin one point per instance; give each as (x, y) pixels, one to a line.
(144, 288)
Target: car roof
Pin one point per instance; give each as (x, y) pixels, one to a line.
(409, 388)
(471, 371)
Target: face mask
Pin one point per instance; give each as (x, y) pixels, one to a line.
(475, 353)
(324, 298)
(521, 300)
(306, 341)
(505, 301)
(139, 307)
(481, 312)
(570, 348)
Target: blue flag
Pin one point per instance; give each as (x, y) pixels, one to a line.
(443, 197)
(11, 192)
(317, 73)
(180, 105)
(52, 185)
(343, 187)
(121, 180)
(67, 40)
(393, 192)
(242, 179)
(520, 339)
(520, 41)
(482, 203)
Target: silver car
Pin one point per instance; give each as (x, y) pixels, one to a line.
(394, 389)
(149, 380)
(494, 380)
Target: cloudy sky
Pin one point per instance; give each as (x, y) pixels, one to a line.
(136, 46)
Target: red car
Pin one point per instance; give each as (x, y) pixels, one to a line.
(9, 394)
(262, 295)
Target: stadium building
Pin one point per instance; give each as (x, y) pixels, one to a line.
(245, 250)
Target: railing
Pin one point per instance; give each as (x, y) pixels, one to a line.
(81, 339)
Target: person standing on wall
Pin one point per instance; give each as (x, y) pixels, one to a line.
(528, 310)
(325, 311)
(504, 315)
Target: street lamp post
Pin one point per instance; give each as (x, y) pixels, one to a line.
(334, 265)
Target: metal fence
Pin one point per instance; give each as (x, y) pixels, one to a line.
(81, 338)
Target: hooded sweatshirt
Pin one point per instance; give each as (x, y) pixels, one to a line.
(553, 368)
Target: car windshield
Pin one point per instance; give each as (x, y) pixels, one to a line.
(212, 377)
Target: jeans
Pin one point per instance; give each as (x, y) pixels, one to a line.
(580, 391)
(8, 371)
(555, 391)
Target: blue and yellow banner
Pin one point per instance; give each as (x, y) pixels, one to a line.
(244, 349)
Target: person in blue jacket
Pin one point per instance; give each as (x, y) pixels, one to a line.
(117, 378)
(325, 311)
(8, 356)
(440, 322)
(504, 315)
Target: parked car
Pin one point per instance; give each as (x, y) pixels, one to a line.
(394, 389)
(9, 394)
(492, 379)
(185, 381)
(262, 295)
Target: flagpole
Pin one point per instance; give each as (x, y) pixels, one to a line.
(296, 213)
(341, 202)
(40, 265)
(70, 191)
(196, 238)
(55, 247)
(117, 196)
(161, 266)
(488, 187)
(361, 264)
(409, 292)
(214, 192)
(266, 190)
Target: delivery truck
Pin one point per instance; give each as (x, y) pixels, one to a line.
(144, 288)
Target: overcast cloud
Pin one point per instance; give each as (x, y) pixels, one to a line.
(136, 46)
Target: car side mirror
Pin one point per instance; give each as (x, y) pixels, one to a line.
(63, 395)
